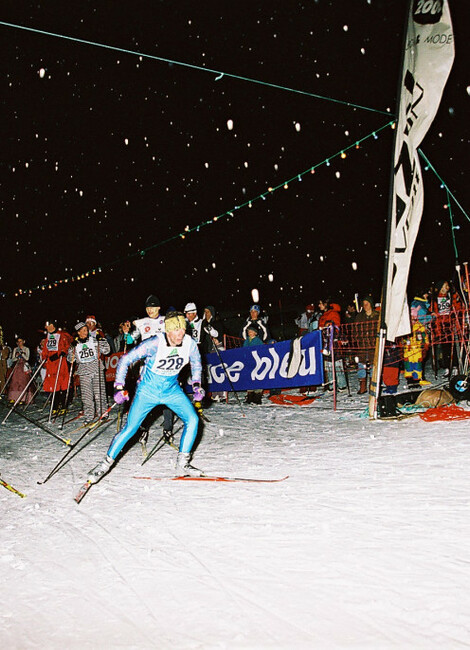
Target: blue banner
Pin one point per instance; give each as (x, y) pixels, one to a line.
(265, 366)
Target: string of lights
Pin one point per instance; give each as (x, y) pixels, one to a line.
(229, 214)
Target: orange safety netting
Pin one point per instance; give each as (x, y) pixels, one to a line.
(451, 412)
(450, 331)
(232, 342)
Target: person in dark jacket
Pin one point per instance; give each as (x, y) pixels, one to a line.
(255, 319)
(212, 331)
(253, 338)
(366, 333)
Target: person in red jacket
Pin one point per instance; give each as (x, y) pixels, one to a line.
(331, 315)
(54, 352)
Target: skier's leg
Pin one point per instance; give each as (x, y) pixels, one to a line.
(182, 406)
(86, 390)
(141, 405)
(167, 420)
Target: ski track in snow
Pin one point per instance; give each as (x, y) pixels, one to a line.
(364, 546)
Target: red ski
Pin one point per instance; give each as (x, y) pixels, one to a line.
(219, 479)
(82, 491)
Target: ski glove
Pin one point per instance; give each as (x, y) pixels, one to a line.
(198, 392)
(211, 331)
(120, 395)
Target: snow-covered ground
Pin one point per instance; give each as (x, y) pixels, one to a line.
(365, 545)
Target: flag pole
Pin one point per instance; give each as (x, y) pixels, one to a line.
(376, 379)
(427, 58)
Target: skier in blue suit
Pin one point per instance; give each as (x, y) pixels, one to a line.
(165, 355)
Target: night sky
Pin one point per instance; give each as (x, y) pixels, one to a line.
(108, 154)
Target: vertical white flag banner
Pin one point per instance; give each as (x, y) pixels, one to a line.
(428, 58)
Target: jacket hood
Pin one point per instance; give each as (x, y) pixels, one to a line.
(211, 309)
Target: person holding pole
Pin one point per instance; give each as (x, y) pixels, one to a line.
(20, 374)
(54, 352)
(86, 351)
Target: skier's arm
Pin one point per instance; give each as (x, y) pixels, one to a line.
(103, 346)
(244, 334)
(195, 363)
(71, 353)
(263, 329)
(145, 349)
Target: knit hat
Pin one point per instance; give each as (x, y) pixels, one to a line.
(255, 308)
(91, 318)
(310, 308)
(79, 326)
(152, 301)
(190, 307)
(175, 321)
(254, 328)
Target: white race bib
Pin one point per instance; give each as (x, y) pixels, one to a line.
(86, 352)
(52, 343)
(150, 326)
(170, 358)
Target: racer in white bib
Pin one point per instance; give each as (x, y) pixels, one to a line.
(85, 351)
(150, 325)
(164, 355)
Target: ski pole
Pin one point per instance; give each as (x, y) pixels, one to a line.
(43, 428)
(55, 388)
(61, 425)
(225, 371)
(346, 378)
(92, 427)
(37, 388)
(11, 488)
(161, 442)
(19, 398)
(9, 379)
(333, 368)
(47, 401)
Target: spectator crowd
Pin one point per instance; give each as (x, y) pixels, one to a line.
(349, 337)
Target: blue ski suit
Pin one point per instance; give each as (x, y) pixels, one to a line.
(159, 385)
